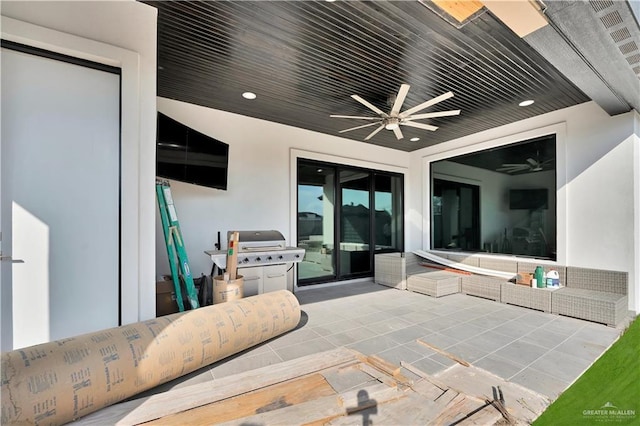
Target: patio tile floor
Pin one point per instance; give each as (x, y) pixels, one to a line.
(541, 351)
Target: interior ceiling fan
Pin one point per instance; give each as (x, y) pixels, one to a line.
(394, 119)
(530, 165)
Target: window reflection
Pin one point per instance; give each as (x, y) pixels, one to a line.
(501, 200)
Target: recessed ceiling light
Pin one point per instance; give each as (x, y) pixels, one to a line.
(329, 1)
(527, 102)
(414, 139)
(319, 170)
(249, 95)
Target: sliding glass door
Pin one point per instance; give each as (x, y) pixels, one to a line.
(316, 218)
(355, 222)
(345, 216)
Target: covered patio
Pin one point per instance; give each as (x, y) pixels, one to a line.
(542, 352)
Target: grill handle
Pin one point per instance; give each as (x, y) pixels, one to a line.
(261, 248)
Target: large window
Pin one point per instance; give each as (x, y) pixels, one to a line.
(501, 200)
(345, 216)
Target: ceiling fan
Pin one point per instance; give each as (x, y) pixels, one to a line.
(530, 165)
(394, 119)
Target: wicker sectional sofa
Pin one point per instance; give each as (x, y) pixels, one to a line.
(591, 294)
(403, 271)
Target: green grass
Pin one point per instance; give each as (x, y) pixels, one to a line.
(614, 379)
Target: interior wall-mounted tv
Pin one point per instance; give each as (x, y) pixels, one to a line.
(529, 199)
(189, 156)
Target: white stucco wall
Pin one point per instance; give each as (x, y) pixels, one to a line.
(597, 175)
(121, 34)
(261, 178)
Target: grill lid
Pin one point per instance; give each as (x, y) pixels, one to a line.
(259, 240)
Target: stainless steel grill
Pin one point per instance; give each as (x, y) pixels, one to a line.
(259, 248)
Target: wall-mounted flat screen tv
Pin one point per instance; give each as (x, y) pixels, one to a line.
(528, 199)
(189, 156)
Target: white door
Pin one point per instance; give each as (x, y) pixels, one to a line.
(60, 186)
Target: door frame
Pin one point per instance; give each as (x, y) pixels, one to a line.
(338, 219)
(298, 153)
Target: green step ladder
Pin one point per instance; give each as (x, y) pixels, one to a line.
(175, 246)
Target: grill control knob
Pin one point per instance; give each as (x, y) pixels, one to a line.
(280, 257)
(297, 256)
(269, 258)
(258, 259)
(246, 260)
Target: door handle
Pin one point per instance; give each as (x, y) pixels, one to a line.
(275, 275)
(10, 259)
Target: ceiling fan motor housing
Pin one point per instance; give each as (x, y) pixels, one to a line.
(392, 123)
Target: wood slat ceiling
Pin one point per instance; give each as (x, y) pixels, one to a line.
(304, 59)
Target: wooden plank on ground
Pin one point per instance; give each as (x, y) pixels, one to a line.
(445, 353)
(469, 410)
(374, 372)
(388, 369)
(523, 404)
(297, 391)
(383, 365)
(174, 401)
(422, 374)
(322, 410)
(412, 409)
(262, 400)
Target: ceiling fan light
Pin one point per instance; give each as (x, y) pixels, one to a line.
(249, 95)
(416, 139)
(526, 103)
(392, 124)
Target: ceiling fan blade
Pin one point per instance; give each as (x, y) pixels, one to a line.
(398, 133)
(504, 169)
(532, 161)
(433, 115)
(511, 170)
(357, 127)
(427, 104)
(370, 106)
(354, 116)
(420, 125)
(402, 94)
(372, 134)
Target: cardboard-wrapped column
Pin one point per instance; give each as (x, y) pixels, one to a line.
(57, 382)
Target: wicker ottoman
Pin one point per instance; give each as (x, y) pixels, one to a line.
(598, 306)
(528, 297)
(434, 284)
(390, 269)
(482, 286)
